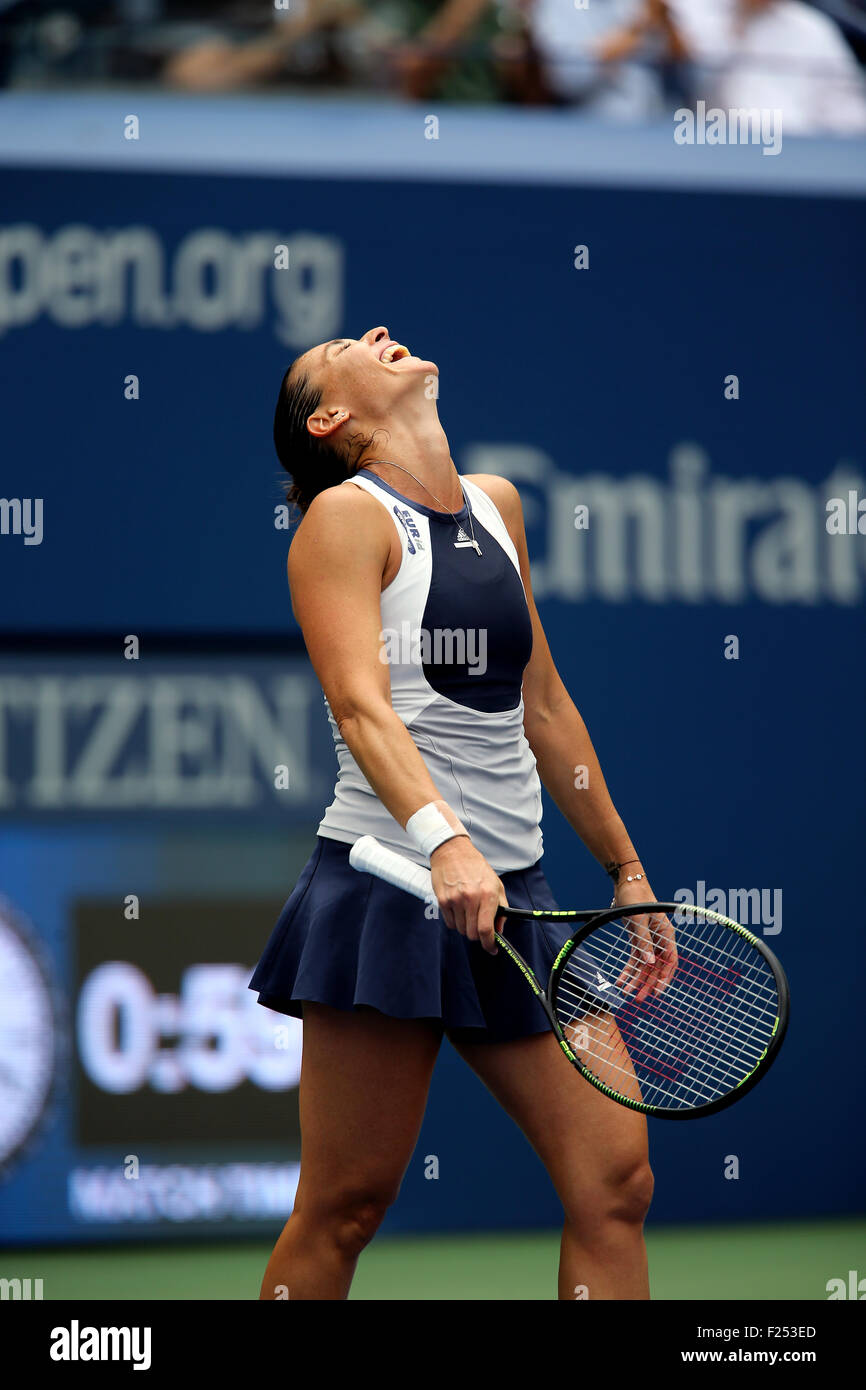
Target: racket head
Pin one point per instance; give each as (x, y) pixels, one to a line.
(691, 1051)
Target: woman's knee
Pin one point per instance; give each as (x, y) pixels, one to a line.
(358, 1219)
(350, 1218)
(630, 1194)
(620, 1196)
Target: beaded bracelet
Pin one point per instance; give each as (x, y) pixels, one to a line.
(630, 878)
(615, 868)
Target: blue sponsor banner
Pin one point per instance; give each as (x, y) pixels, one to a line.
(684, 420)
(138, 736)
(159, 511)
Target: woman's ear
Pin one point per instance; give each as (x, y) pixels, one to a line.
(324, 422)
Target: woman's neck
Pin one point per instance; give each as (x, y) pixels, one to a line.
(424, 470)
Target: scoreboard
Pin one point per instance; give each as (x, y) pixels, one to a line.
(143, 1088)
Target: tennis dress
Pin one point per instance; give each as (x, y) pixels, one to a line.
(457, 636)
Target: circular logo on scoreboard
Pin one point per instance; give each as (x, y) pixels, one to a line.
(28, 1034)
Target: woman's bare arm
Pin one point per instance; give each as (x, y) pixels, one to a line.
(561, 743)
(554, 727)
(336, 565)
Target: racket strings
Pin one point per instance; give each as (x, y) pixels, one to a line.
(644, 1074)
(690, 1035)
(744, 1012)
(688, 976)
(688, 1059)
(630, 1069)
(694, 1053)
(687, 1046)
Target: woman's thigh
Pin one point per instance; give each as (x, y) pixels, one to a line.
(364, 1083)
(590, 1146)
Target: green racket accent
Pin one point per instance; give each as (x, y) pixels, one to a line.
(616, 1095)
(564, 952)
(760, 1059)
(725, 922)
(521, 963)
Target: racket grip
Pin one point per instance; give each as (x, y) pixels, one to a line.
(369, 857)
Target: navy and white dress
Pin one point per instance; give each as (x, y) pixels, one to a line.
(458, 636)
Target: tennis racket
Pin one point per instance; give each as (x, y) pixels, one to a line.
(690, 1050)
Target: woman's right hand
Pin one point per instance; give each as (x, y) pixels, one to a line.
(467, 890)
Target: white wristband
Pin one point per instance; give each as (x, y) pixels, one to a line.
(428, 829)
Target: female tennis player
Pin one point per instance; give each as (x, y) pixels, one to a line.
(411, 585)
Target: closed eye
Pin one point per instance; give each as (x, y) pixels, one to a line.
(348, 343)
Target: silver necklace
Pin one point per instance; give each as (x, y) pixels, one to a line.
(460, 532)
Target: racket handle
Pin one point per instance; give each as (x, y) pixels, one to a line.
(369, 857)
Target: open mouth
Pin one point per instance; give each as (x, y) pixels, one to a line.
(394, 352)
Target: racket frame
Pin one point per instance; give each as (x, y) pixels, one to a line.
(595, 918)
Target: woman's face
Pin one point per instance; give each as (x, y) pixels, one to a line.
(366, 375)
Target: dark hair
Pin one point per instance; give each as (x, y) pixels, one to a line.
(312, 464)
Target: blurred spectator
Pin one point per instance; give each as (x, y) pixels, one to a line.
(770, 54)
(455, 45)
(447, 50)
(47, 34)
(628, 59)
(299, 41)
(571, 45)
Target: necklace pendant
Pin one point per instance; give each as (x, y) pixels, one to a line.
(477, 547)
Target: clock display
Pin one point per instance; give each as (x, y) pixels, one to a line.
(27, 1038)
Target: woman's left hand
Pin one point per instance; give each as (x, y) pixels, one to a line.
(653, 957)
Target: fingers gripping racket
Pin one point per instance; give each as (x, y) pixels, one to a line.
(691, 1045)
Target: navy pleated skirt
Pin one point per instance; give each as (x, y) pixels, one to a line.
(348, 939)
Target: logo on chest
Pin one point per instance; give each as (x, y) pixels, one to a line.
(463, 541)
(413, 535)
